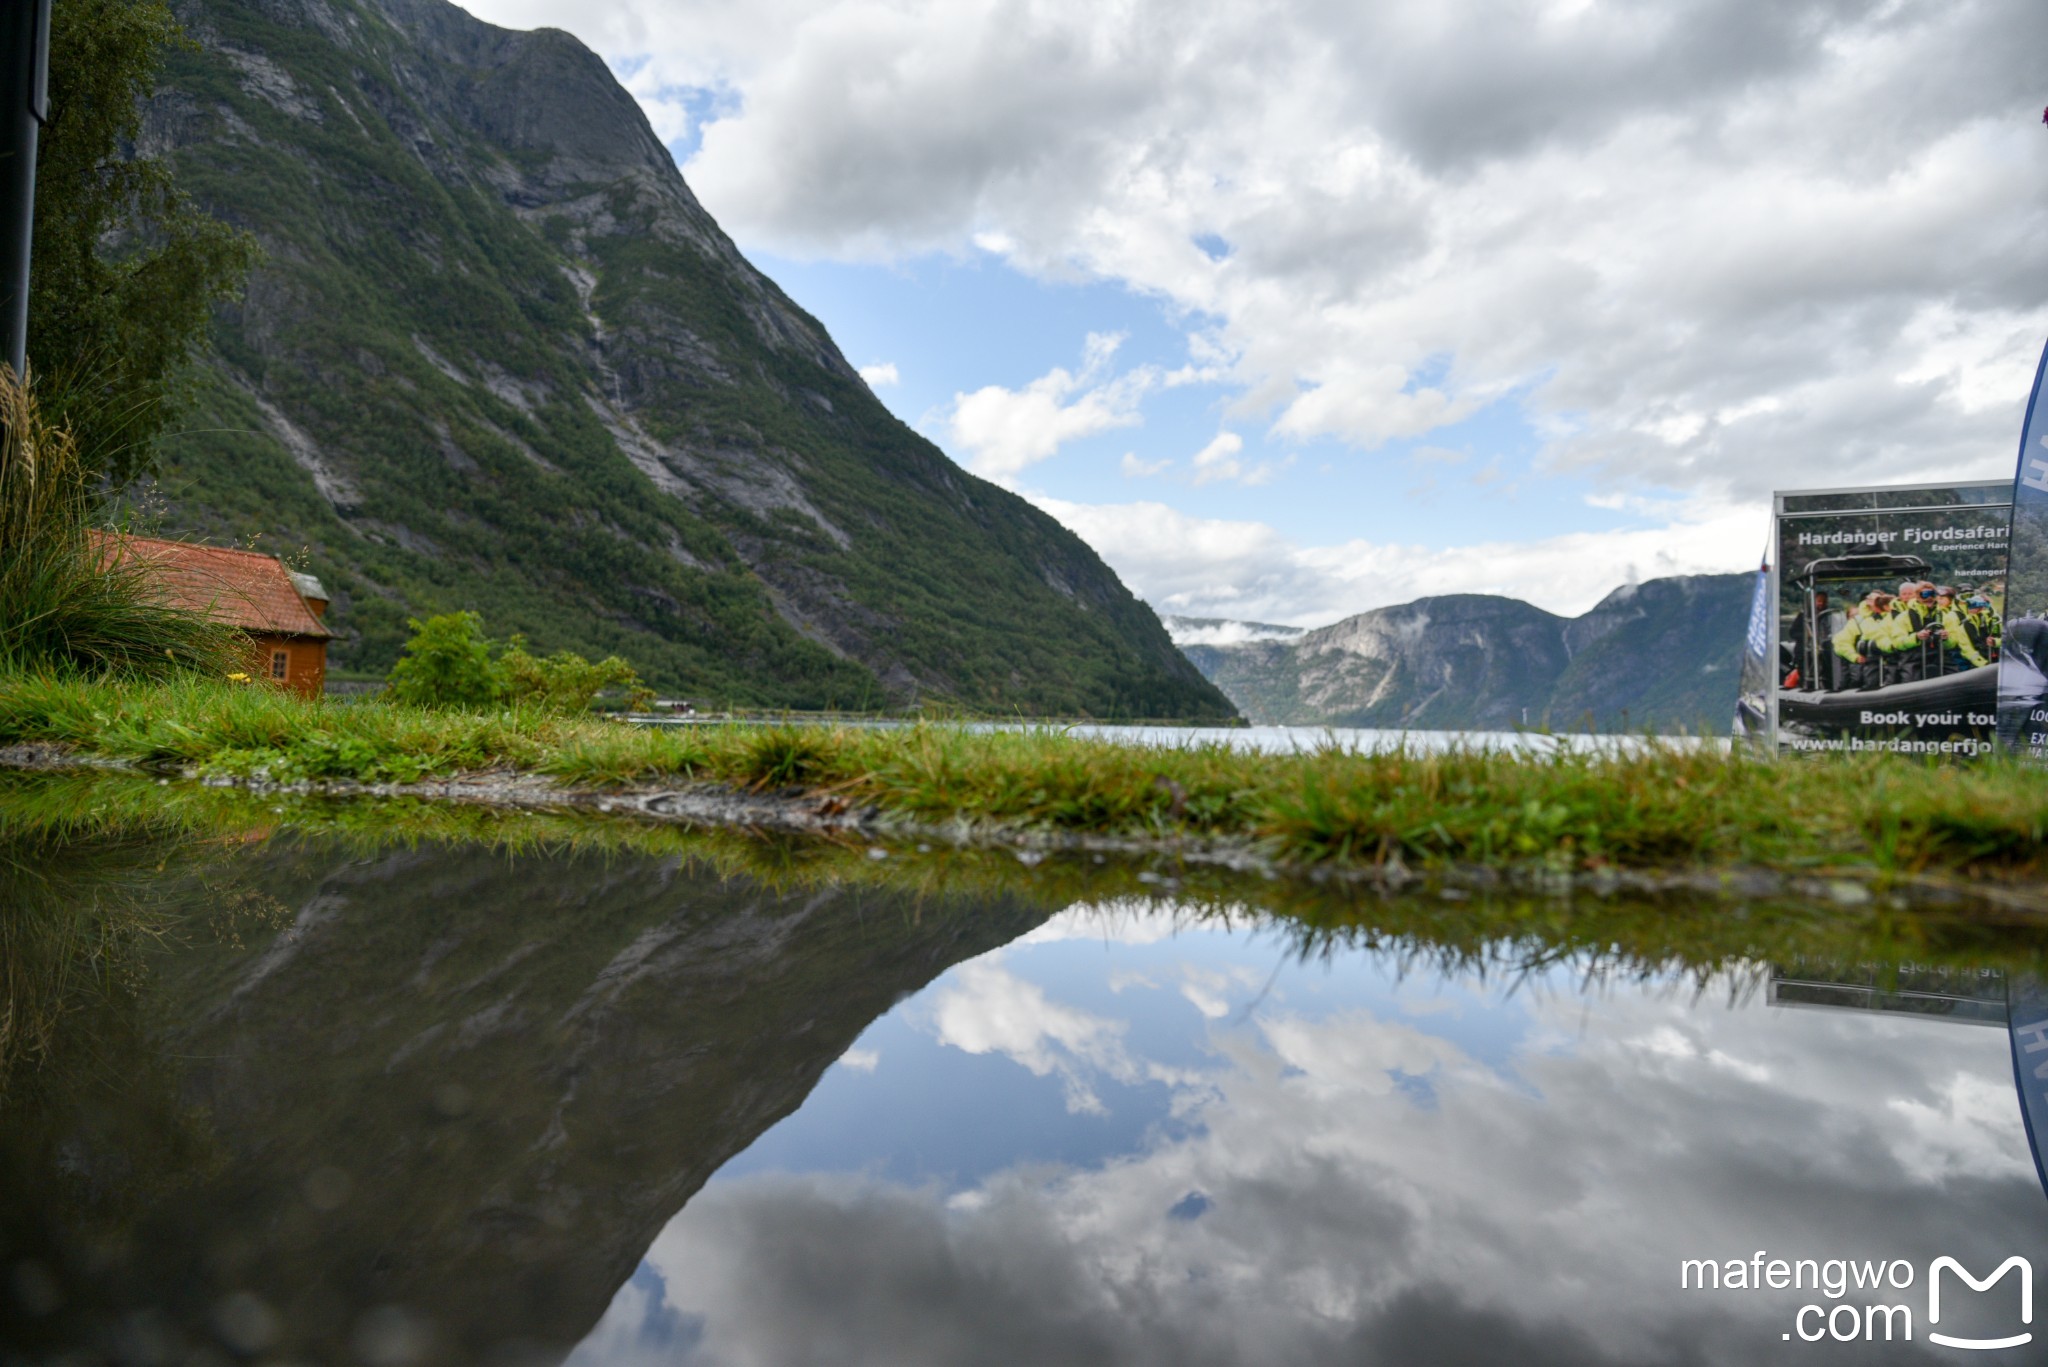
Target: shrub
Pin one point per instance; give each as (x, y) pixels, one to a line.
(67, 602)
(448, 663)
(565, 681)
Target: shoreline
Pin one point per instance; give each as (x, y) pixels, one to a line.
(807, 813)
(1648, 816)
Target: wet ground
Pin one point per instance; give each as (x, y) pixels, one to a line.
(287, 1085)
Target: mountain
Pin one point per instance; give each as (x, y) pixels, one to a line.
(1660, 654)
(443, 1103)
(497, 356)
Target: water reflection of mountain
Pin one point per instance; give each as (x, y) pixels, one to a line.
(442, 1115)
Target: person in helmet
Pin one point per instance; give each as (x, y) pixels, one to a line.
(1846, 663)
(1942, 655)
(1863, 640)
(1885, 638)
(1918, 651)
(1981, 618)
(1964, 644)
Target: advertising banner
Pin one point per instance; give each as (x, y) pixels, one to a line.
(1888, 624)
(2023, 669)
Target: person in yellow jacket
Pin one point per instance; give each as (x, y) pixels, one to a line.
(1864, 638)
(1847, 645)
(1966, 644)
(1917, 654)
(1879, 636)
(1985, 628)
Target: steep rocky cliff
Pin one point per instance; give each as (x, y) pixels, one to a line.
(1660, 654)
(497, 356)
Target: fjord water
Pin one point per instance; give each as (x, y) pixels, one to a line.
(505, 1095)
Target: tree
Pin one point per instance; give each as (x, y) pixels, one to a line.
(125, 268)
(447, 663)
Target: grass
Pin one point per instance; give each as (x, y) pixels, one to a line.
(1661, 806)
(64, 601)
(111, 824)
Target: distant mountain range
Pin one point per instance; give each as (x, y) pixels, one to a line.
(1659, 655)
(497, 356)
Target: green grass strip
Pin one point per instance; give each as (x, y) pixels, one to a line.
(1660, 805)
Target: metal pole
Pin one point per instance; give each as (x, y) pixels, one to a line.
(24, 108)
(1810, 666)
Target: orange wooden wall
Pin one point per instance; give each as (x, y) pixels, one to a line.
(305, 663)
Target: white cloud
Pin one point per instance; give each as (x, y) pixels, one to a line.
(1226, 633)
(985, 1009)
(1214, 567)
(1710, 241)
(1004, 431)
(669, 115)
(1218, 462)
(861, 1060)
(1134, 468)
(880, 374)
(1375, 1191)
(1710, 247)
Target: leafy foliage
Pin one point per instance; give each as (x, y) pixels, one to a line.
(126, 269)
(565, 681)
(448, 663)
(66, 602)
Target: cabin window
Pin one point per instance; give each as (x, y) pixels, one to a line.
(279, 662)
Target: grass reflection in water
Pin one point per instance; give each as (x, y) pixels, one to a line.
(397, 1082)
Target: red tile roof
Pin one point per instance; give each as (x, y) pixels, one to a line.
(242, 588)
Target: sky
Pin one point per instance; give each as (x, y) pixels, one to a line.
(1132, 1137)
(1296, 308)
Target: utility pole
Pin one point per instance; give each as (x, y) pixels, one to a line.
(24, 108)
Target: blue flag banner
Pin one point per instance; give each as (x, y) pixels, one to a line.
(2026, 1010)
(1753, 689)
(2023, 652)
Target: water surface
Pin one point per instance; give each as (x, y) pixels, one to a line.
(502, 1095)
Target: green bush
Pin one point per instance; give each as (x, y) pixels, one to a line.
(565, 681)
(448, 663)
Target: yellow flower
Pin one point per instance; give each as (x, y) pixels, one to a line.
(238, 677)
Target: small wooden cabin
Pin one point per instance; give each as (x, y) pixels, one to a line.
(279, 609)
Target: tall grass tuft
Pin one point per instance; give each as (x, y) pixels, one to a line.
(66, 603)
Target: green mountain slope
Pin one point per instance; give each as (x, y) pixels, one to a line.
(498, 357)
(1661, 654)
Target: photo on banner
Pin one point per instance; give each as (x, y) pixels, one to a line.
(1889, 604)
